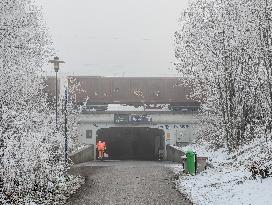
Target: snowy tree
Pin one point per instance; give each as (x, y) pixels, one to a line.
(224, 48)
(32, 166)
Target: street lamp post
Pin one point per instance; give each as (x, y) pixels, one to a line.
(56, 63)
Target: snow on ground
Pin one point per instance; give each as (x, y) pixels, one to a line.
(225, 184)
(81, 146)
(123, 107)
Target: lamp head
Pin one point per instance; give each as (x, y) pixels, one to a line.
(56, 66)
(56, 63)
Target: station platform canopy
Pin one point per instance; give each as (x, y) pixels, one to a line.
(133, 90)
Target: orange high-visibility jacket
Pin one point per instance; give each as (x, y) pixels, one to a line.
(101, 146)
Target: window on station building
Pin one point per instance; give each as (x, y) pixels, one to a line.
(89, 134)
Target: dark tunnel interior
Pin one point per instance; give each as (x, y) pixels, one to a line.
(132, 143)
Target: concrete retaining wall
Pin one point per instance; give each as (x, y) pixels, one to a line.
(173, 154)
(85, 154)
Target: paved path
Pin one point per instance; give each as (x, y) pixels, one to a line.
(127, 182)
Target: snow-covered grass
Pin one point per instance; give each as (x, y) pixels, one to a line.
(226, 186)
(229, 181)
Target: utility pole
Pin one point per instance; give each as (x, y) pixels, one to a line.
(65, 126)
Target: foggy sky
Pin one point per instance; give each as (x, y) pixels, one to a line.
(113, 37)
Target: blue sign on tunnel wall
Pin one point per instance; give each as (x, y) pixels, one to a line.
(132, 119)
(140, 119)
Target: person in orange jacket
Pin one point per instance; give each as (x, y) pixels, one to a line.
(101, 147)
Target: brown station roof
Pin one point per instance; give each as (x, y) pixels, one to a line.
(50, 87)
(133, 90)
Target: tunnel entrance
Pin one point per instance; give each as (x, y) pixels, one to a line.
(132, 143)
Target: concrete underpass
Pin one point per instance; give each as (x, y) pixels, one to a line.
(132, 143)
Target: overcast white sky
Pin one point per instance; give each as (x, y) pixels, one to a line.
(114, 37)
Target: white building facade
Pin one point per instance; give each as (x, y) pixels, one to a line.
(177, 127)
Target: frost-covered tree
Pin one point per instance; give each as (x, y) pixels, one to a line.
(225, 47)
(31, 150)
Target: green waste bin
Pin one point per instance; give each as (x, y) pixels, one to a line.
(191, 162)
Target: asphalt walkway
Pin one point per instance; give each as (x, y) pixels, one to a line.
(127, 182)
